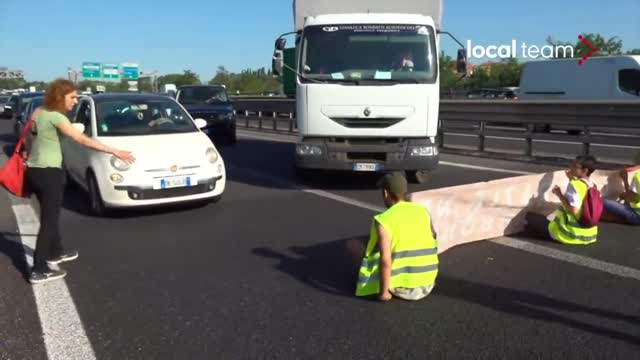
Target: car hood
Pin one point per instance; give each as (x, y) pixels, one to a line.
(163, 150)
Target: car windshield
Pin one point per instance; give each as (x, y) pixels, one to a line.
(352, 53)
(202, 95)
(135, 117)
(4, 99)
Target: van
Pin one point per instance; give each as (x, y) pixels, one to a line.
(598, 78)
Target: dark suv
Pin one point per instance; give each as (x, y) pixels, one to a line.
(212, 104)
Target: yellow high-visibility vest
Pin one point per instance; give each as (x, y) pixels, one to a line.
(635, 205)
(566, 228)
(414, 250)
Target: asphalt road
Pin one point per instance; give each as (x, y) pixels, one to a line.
(269, 273)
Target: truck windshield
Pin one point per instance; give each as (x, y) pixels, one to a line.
(353, 53)
(202, 95)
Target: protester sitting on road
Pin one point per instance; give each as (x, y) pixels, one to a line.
(628, 211)
(565, 227)
(401, 257)
(45, 178)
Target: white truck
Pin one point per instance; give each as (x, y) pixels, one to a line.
(367, 84)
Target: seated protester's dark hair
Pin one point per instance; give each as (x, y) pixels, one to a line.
(588, 162)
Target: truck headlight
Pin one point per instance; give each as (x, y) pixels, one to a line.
(212, 155)
(303, 149)
(424, 151)
(119, 164)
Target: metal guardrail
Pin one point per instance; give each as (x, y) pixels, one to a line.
(616, 122)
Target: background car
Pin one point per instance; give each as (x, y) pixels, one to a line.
(4, 101)
(18, 104)
(212, 104)
(175, 160)
(29, 107)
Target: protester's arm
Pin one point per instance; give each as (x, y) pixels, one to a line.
(384, 267)
(632, 193)
(625, 179)
(565, 202)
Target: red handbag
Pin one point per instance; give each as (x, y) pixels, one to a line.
(13, 172)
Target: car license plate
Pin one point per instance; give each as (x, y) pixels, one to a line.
(173, 182)
(365, 167)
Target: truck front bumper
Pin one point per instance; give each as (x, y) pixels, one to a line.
(367, 154)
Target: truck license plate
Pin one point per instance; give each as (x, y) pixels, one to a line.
(365, 167)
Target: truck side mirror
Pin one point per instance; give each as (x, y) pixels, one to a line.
(277, 63)
(461, 63)
(281, 43)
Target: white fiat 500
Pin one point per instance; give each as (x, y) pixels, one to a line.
(175, 161)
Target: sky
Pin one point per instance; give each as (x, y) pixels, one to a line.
(45, 37)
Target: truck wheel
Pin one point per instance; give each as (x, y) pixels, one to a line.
(418, 176)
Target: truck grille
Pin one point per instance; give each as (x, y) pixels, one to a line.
(374, 123)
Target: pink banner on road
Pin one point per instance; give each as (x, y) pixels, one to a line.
(467, 213)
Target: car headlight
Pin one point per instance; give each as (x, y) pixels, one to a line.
(119, 164)
(229, 116)
(212, 155)
(116, 178)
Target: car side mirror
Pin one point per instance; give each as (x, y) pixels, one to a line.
(461, 63)
(277, 63)
(281, 43)
(201, 123)
(79, 127)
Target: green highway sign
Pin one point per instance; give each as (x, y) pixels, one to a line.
(130, 71)
(111, 71)
(91, 70)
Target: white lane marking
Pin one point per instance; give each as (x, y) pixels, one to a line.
(64, 334)
(611, 268)
(484, 168)
(614, 269)
(446, 163)
(546, 141)
(321, 193)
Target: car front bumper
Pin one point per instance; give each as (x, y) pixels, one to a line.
(123, 196)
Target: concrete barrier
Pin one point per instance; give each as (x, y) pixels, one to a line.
(468, 213)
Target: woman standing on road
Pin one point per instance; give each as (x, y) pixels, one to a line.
(45, 177)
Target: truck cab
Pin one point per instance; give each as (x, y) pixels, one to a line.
(367, 85)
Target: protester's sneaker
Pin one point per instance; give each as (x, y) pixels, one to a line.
(64, 257)
(38, 277)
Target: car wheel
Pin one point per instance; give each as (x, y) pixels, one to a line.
(68, 180)
(418, 176)
(95, 199)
